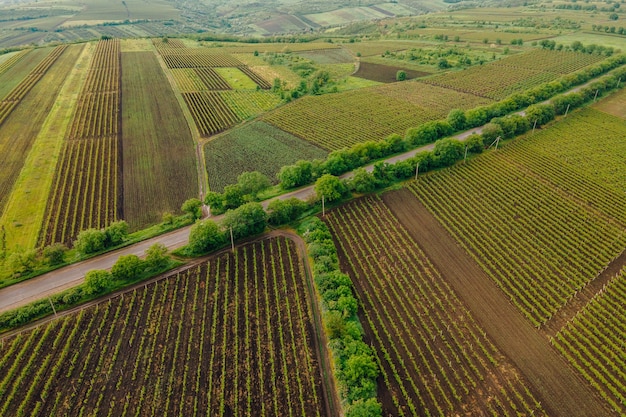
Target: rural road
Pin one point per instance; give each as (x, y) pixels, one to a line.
(55, 281)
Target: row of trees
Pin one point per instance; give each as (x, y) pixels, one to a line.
(355, 366)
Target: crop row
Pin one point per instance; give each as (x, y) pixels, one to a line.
(595, 343)
(86, 186)
(505, 220)
(85, 190)
(561, 62)
(260, 81)
(13, 98)
(210, 112)
(345, 119)
(247, 104)
(434, 357)
(193, 58)
(590, 142)
(8, 63)
(231, 336)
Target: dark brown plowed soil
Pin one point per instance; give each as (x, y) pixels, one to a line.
(561, 391)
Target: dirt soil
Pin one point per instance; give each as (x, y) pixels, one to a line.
(384, 73)
(562, 392)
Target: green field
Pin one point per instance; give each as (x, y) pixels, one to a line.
(159, 160)
(254, 147)
(342, 120)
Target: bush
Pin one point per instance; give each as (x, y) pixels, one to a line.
(247, 220)
(90, 241)
(115, 233)
(330, 187)
(54, 254)
(193, 207)
(205, 236)
(285, 211)
(97, 281)
(127, 267)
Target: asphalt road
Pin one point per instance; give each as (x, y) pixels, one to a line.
(55, 281)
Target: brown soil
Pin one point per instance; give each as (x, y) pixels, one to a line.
(561, 390)
(384, 73)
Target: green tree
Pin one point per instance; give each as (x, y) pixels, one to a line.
(456, 118)
(362, 181)
(54, 254)
(448, 151)
(97, 281)
(22, 262)
(115, 233)
(329, 186)
(364, 408)
(358, 368)
(90, 241)
(127, 267)
(252, 183)
(285, 211)
(156, 256)
(215, 201)
(193, 207)
(400, 75)
(249, 219)
(232, 196)
(205, 236)
(490, 132)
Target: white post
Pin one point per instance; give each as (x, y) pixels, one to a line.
(534, 126)
(618, 81)
(465, 157)
(497, 142)
(209, 210)
(566, 110)
(52, 305)
(596, 96)
(417, 170)
(232, 241)
(323, 211)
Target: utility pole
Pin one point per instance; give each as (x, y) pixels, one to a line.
(323, 211)
(497, 142)
(232, 240)
(534, 126)
(417, 170)
(465, 157)
(596, 96)
(566, 110)
(52, 305)
(618, 81)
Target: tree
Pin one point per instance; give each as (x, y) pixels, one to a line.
(193, 207)
(364, 408)
(232, 196)
(205, 236)
(329, 186)
(490, 132)
(362, 181)
(252, 183)
(115, 233)
(90, 241)
(542, 113)
(54, 254)
(358, 368)
(156, 256)
(215, 201)
(400, 75)
(284, 211)
(127, 267)
(22, 262)
(448, 151)
(249, 219)
(97, 281)
(456, 118)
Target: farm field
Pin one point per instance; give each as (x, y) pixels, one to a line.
(434, 357)
(592, 143)
(385, 73)
(344, 119)
(257, 146)
(593, 342)
(204, 76)
(517, 73)
(159, 160)
(14, 71)
(23, 213)
(86, 190)
(614, 104)
(529, 210)
(230, 336)
(34, 98)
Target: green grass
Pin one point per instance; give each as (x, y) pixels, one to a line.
(253, 147)
(236, 79)
(617, 42)
(354, 83)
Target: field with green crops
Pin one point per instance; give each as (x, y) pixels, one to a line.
(344, 119)
(257, 146)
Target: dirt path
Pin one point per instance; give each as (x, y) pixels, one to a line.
(561, 390)
(582, 297)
